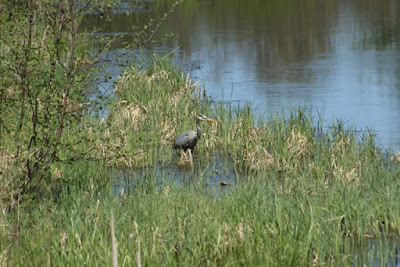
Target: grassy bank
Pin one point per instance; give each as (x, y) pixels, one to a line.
(302, 195)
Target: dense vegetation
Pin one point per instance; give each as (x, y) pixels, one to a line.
(302, 195)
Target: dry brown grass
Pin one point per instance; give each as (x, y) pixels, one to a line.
(349, 175)
(252, 153)
(257, 158)
(395, 157)
(168, 131)
(346, 171)
(298, 144)
(340, 147)
(130, 114)
(211, 141)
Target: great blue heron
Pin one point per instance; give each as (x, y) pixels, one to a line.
(188, 139)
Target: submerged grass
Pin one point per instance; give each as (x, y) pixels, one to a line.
(303, 196)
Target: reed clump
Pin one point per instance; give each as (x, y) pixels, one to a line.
(151, 104)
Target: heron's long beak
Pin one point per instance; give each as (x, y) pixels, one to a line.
(210, 120)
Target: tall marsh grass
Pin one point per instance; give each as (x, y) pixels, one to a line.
(303, 195)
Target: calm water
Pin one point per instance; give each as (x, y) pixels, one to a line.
(340, 57)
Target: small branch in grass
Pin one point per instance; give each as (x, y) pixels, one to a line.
(114, 242)
(138, 259)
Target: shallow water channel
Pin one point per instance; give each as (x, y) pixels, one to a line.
(215, 173)
(341, 58)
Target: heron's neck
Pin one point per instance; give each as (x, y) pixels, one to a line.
(198, 129)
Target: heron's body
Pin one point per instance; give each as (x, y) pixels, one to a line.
(188, 139)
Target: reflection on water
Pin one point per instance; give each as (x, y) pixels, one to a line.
(376, 252)
(214, 172)
(341, 57)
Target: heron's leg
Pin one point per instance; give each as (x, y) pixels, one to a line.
(184, 155)
(190, 156)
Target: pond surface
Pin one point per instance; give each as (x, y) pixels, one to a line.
(339, 57)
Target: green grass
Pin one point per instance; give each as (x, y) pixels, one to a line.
(260, 222)
(303, 195)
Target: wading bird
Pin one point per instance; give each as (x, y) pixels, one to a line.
(188, 139)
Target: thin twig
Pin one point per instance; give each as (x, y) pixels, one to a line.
(138, 258)
(114, 242)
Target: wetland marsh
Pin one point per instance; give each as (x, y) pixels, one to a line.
(295, 199)
(297, 193)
